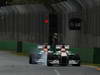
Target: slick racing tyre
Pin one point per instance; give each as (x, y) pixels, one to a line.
(77, 59)
(48, 60)
(32, 59)
(78, 64)
(49, 64)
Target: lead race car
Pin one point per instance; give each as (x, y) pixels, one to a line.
(60, 55)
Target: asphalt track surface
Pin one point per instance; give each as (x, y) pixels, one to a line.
(11, 64)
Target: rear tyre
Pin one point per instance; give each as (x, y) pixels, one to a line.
(49, 64)
(76, 64)
(77, 58)
(30, 59)
(49, 57)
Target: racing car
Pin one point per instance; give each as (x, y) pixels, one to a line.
(62, 56)
(38, 56)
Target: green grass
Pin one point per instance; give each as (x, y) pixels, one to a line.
(19, 54)
(98, 65)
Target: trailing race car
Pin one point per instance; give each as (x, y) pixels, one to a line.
(62, 57)
(38, 56)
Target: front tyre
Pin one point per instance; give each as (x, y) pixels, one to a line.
(30, 59)
(77, 58)
(49, 64)
(49, 57)
(76, 64)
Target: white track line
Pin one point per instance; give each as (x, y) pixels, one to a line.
(57, 72)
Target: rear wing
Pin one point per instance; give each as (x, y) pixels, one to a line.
(42, 46)
(60, 46)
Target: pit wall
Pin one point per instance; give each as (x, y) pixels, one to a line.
(88, 55)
